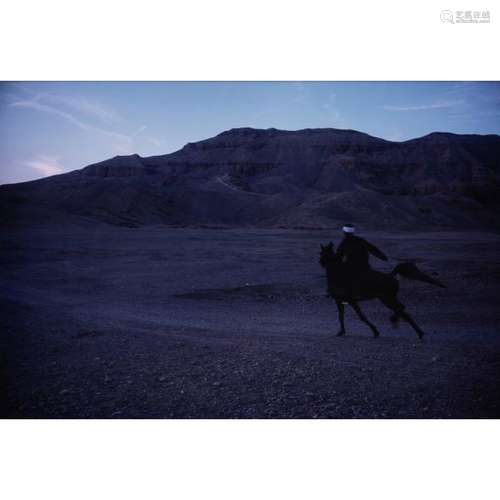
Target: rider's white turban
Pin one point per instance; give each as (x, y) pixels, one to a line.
(348, 229)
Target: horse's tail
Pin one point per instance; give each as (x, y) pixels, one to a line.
(412, 272)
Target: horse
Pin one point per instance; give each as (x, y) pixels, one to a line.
(345, 288)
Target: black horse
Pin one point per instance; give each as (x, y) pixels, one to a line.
(345, 287)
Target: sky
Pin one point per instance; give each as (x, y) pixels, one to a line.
(48, 128)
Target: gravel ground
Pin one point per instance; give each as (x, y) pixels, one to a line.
(205, 323)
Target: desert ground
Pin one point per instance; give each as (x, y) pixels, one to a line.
(111, 322)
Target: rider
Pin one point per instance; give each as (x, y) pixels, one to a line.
(355, 253)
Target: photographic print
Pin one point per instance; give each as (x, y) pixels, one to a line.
(269, 250)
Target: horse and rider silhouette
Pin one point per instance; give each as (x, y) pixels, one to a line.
(351, 279)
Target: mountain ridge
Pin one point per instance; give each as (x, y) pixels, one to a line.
(316, 177)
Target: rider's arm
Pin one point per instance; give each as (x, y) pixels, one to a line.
(375, 251)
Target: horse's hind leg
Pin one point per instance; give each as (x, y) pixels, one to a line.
(395, 306)
(363, 318)
(395, 319)
(399, 312)
(410, 320)
(340, 307)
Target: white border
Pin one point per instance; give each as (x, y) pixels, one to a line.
(231, 459)
(259, 40)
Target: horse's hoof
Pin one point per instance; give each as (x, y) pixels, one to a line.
(340, 334)
(376, 335)
(421, 336)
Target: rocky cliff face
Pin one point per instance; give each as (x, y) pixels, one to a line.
(305, 178)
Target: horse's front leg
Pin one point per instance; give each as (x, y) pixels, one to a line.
(340, 307)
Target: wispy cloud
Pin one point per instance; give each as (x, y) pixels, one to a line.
(140, 130)
(84, 106)
(424, 107)
(46, 165)
(157, 143)
(45, 108)
(475, 115)
(70, 102)
(481, 101)
(475, 92)
(122, 143)
(82, 113)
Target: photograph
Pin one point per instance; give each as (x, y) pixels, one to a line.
(250, 250)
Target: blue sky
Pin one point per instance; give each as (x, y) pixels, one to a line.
(52, 127)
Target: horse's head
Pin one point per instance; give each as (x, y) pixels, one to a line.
(327, 255)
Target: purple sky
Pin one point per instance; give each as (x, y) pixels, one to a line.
(52, 127)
